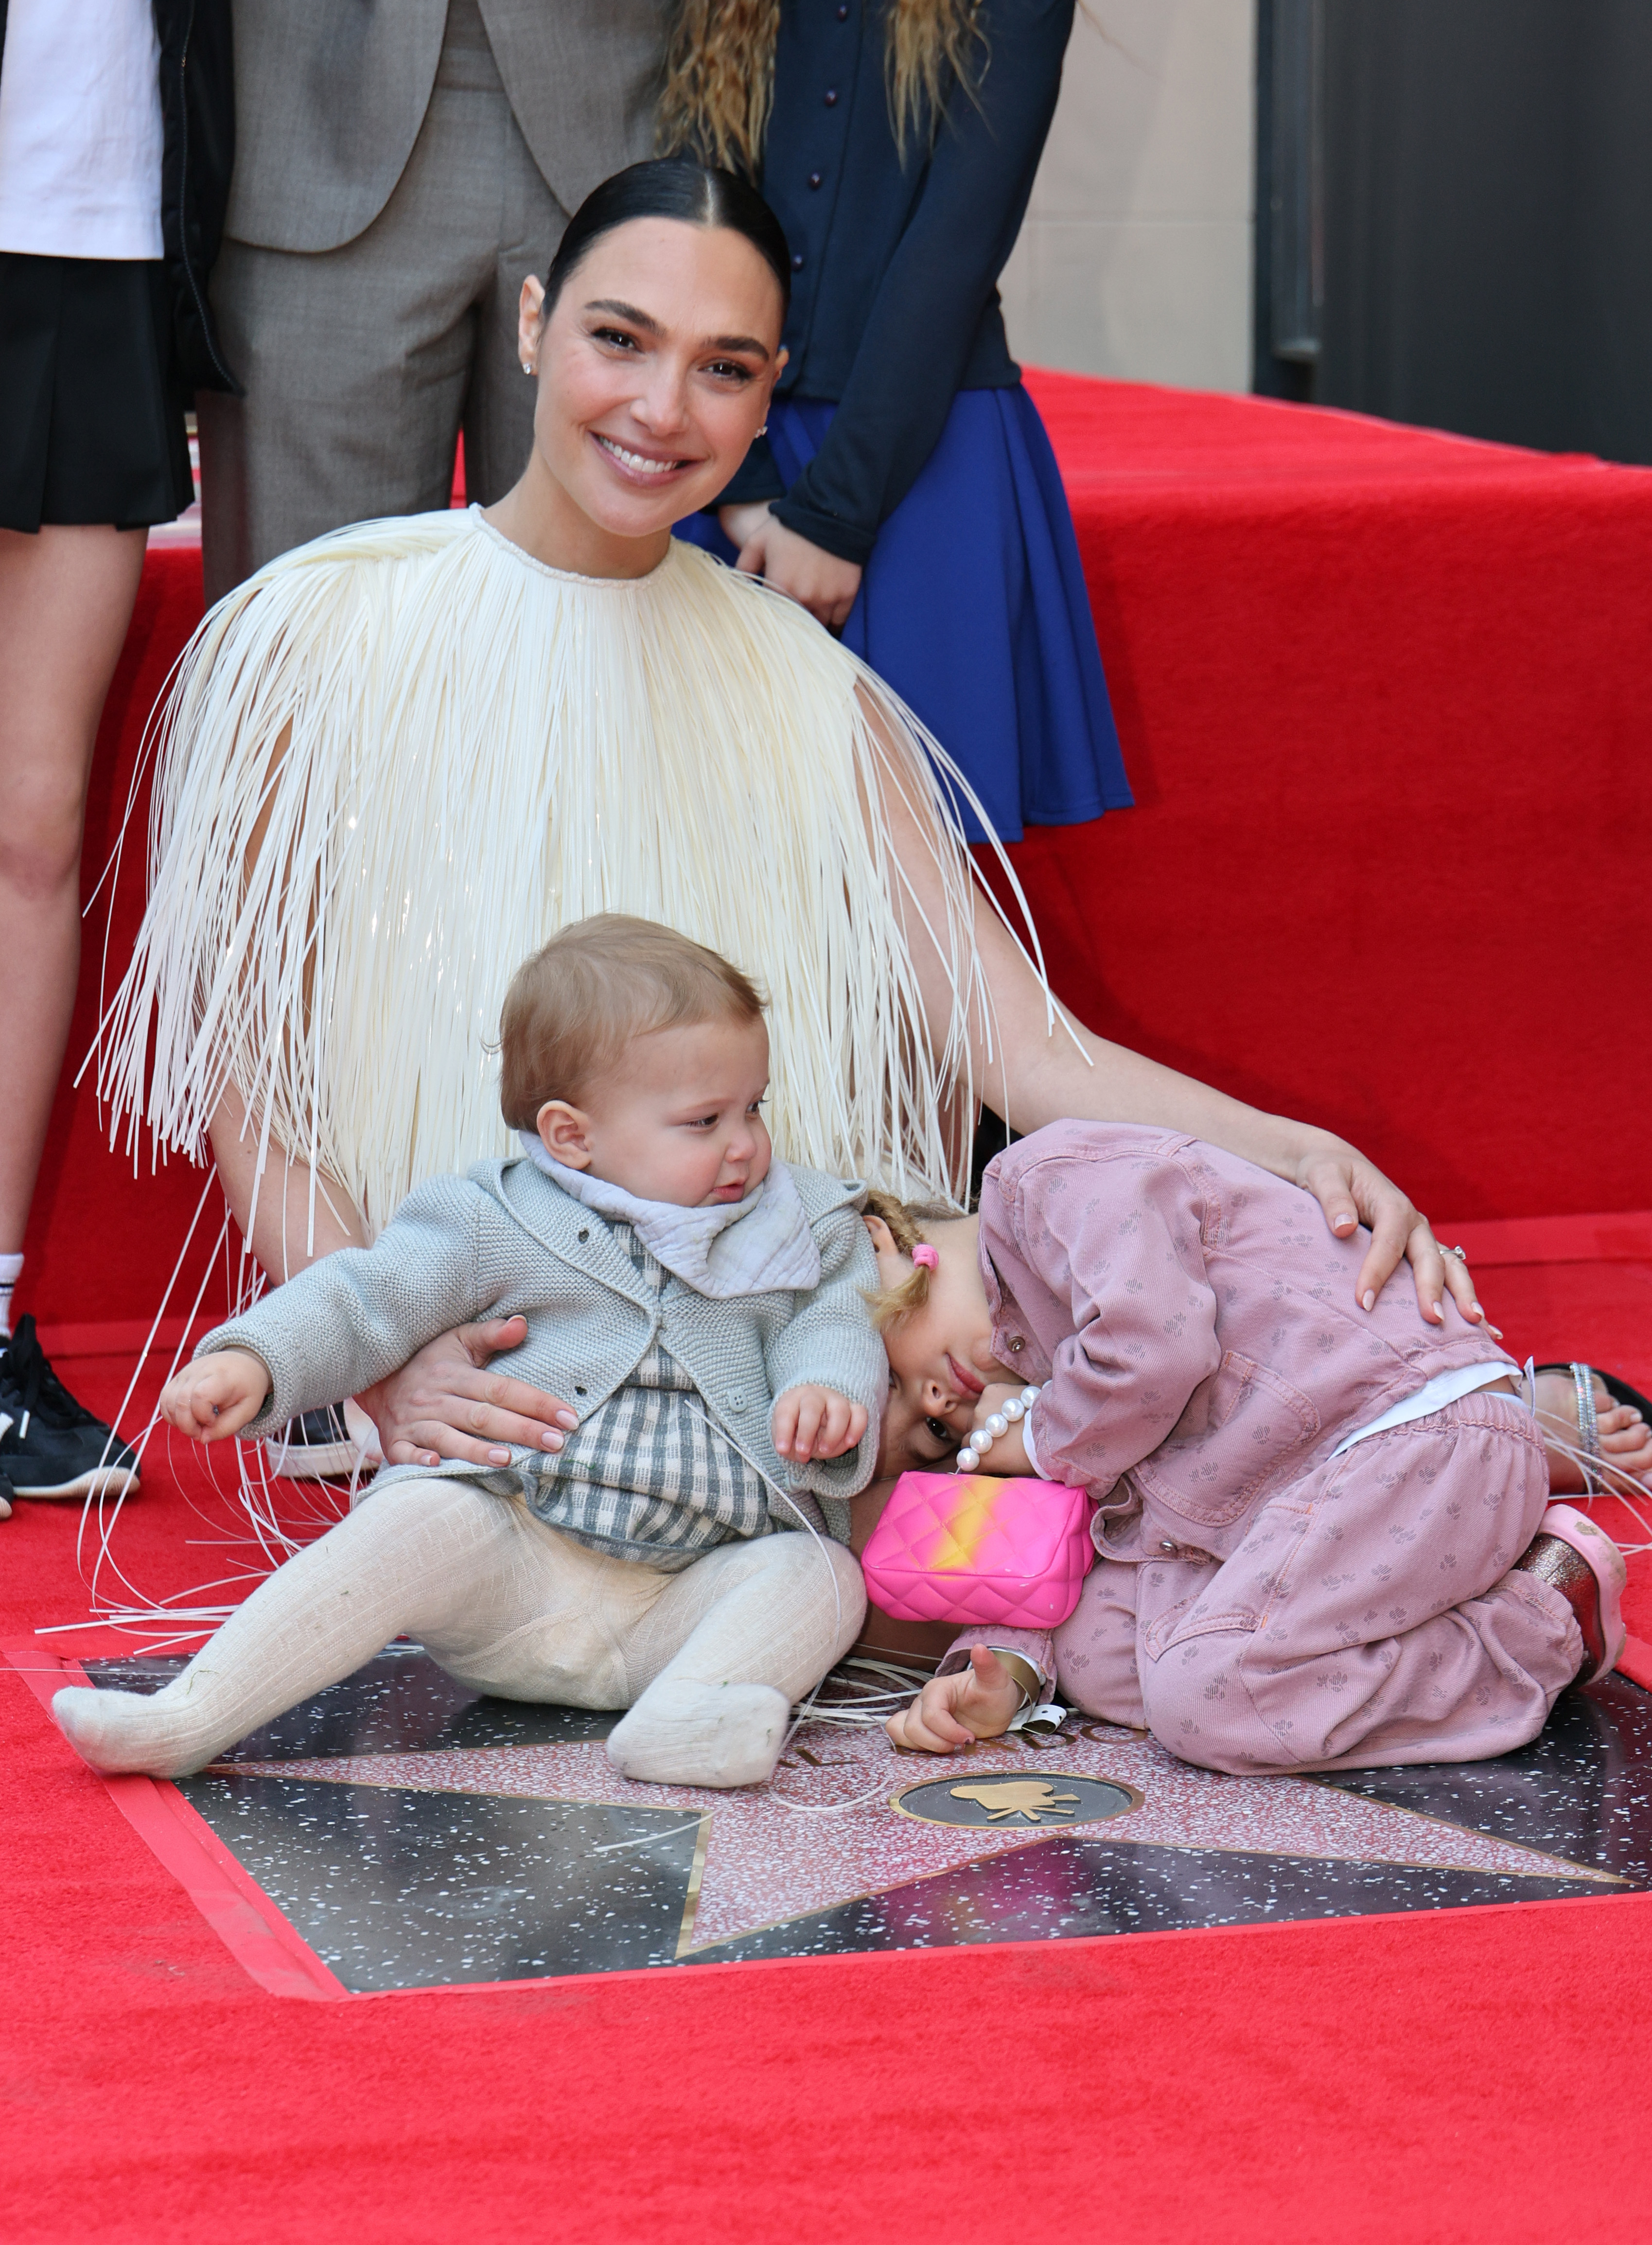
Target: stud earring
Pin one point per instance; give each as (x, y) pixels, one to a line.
(527, 366)
(763, 431)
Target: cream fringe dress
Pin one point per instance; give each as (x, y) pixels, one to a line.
(482, 749)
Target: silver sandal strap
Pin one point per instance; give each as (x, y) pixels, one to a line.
(1588, 1424)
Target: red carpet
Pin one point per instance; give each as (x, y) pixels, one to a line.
(1380, 694)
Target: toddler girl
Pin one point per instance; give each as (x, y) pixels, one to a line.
(1326, 1535)
(702, 1303)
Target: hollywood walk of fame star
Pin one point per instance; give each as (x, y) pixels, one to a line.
(825, 1833)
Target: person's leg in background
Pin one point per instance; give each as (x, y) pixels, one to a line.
(66, 595)
(361, 363)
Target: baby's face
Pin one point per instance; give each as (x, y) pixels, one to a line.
(679, 1117)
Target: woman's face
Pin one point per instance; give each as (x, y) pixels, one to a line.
(654, 368)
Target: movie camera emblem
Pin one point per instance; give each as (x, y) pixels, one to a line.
(1030, 1800)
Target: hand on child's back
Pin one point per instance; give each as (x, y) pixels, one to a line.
(816, 1422)
(217, 1395)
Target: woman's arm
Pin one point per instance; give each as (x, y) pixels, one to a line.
(1035, 1063)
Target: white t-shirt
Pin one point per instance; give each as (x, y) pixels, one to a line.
(80, 134)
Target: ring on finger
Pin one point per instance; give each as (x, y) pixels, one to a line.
(1459, 1253)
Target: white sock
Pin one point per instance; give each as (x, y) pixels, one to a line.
(750, 1628)
(10, 1272)
(681, 1733)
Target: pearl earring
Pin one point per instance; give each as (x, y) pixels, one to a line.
(527, 366)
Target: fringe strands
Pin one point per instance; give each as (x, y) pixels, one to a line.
(395, 763)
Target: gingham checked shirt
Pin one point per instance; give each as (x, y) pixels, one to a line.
(648, 1475)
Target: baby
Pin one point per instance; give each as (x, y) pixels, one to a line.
(1325, 1537)
(703, 1306)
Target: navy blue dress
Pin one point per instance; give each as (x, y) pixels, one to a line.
(900, 436)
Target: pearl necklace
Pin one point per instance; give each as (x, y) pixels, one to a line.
(995, 1423)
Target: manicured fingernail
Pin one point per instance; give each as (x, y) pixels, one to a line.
(549, 1439)
(1437, 1312)
(1370, 1300)
(498, 1457)
(566, 1418)
(429, 1459)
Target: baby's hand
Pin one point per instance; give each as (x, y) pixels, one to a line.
(816, 1422)
(216, 1395)
(980, 1702)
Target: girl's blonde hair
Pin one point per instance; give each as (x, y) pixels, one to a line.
(719, 73)
(906, 1220)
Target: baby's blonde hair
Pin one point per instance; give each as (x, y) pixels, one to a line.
(906, 1220)
(597, 983)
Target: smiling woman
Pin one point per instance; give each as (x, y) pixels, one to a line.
(399, 757)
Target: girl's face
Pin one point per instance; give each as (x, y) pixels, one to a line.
(655, 368)
(940, 1357)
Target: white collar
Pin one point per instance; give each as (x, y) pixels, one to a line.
(751, 1246)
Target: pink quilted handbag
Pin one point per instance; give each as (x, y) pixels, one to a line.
(980, 1548)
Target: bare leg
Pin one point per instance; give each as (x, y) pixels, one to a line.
(66, 597)
(291, 1214)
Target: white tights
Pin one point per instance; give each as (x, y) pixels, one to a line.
(710, 1660)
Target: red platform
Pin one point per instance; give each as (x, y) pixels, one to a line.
(1381, 699)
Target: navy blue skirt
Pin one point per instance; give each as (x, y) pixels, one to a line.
(974, 606)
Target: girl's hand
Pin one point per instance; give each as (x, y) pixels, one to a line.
(980, 1702)
(816, 1422)
(217, 1395)
(1352, 1190)
(817, 581)
(444, 1403)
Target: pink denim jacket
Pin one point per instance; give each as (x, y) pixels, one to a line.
(1194, 1328)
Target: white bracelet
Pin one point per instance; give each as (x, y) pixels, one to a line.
(996, 1424)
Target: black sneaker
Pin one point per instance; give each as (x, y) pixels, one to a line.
(318, 1446)
(50, 1445)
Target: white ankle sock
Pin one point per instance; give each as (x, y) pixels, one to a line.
(10, 1272)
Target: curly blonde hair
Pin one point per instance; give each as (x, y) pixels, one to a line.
(906, 1220)
(719, 73)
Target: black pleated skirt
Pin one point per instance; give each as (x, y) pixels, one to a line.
(91, 417)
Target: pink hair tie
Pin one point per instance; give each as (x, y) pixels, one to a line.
(924, 1258)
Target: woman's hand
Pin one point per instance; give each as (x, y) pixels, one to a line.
(980, 1702)
(817, 581)
(1352, 1190)
(445, 1403)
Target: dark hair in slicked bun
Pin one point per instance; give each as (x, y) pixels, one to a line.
(672, 187)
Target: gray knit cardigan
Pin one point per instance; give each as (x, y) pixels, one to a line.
(506, 1240)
